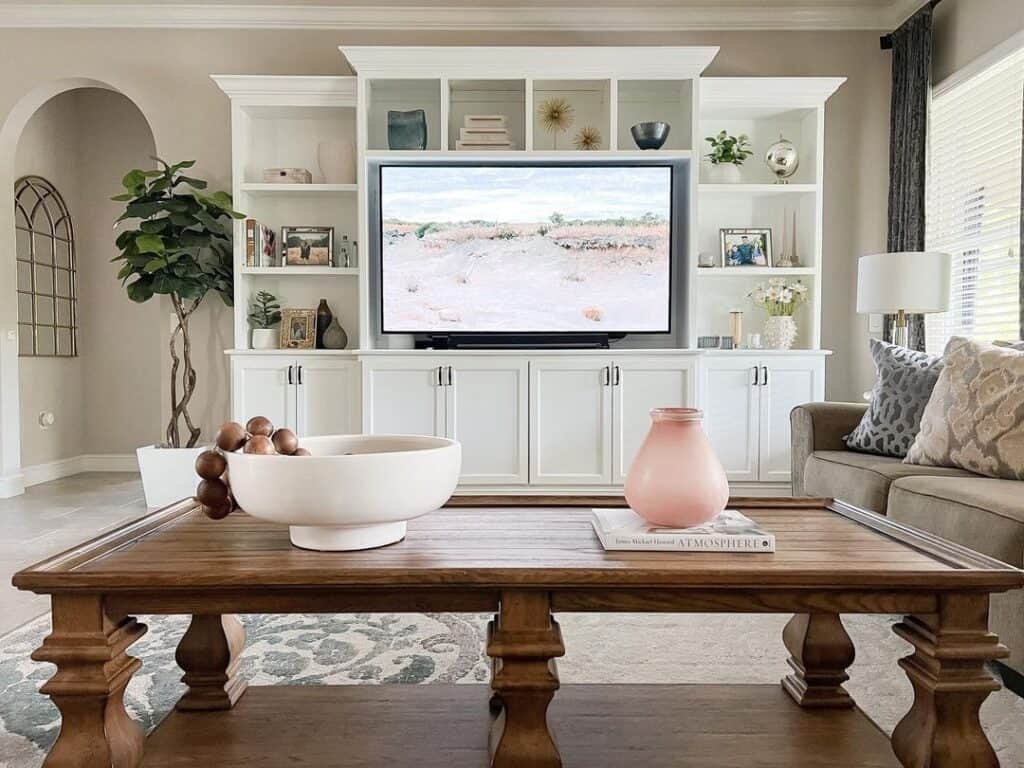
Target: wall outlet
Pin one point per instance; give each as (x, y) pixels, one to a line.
(875, 323)
(46, 419)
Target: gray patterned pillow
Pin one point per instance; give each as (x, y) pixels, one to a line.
(975, 419)
(904, 384)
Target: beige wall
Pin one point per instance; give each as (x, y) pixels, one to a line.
(49, 148)
(106, 400)
(965, 29)
(167, 74)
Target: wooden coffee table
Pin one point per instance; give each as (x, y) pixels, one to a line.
(523, 559)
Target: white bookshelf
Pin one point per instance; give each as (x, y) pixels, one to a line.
(281, 122)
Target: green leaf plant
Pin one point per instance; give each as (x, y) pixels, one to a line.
(728, 149)
(264, 311)
(179, 246)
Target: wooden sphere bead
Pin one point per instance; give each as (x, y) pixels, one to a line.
(260, 425)
(219, 513)
(260, 444)
(285, 441)
(231, 436)
(210, 465)
(212, 493)
(302, 452)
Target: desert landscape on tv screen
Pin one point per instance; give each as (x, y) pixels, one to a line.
(525, 249)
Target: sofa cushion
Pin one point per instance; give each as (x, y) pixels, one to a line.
(905, 379)
(982, 513)
(975, 418)
(861, 479)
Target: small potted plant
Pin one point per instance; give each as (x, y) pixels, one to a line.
(726, 156)
(780, 300)
(264, 314)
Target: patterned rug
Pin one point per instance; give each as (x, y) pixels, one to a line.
(448, 648)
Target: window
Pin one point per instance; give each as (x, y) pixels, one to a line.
(45, 254)
(974, 201)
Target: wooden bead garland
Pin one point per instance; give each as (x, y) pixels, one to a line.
(259, 437)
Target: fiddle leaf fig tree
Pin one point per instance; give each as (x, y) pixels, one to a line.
(179, 246)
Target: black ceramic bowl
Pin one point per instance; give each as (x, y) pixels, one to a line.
(650, 135)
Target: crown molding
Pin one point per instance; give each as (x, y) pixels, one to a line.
(791, 92)
(308, 90)
(863, 16)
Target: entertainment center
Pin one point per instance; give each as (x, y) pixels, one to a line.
(538, 414)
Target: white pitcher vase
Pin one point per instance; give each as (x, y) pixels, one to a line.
(780, 332)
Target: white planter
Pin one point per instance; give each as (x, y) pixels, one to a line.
(779, 332)
(168, 474)
(723, 173)
(354, 492)
(265, 338)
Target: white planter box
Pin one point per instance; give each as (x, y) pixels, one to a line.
(168, 474)
(265, 338)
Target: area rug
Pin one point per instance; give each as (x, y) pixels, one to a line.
(448, 648)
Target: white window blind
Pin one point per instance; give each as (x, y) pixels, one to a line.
(973, 201)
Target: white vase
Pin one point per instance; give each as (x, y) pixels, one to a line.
(723, 173)
(779, 332)
(337, 161)
(264, 338)
(168, 474)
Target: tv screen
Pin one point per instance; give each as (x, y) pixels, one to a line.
(525, 248)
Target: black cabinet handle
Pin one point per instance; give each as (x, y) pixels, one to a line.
(290, 367)
(451, 376)
(300, 374)
(618, 376)
(440, 376)
(757, 376)
(607, 371)
(764, 378)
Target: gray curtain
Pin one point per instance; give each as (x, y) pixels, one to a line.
(908, 123)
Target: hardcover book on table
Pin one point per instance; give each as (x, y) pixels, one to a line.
(730, 531)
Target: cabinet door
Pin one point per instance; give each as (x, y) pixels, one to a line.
(403, 396)
(487, 412)
(790, 382)
(638, 385)
(261, 385)
(327, 396)
(570, 421)
(731, 412)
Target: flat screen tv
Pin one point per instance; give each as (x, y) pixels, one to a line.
(521, 249)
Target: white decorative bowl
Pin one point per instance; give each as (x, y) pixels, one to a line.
(354, 492)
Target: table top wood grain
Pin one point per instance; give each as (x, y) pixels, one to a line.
(533, 542)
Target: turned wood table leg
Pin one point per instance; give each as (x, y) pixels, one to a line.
(89, 649)
(209, 653)
(524, 640)
(947, 669)
(820, 653)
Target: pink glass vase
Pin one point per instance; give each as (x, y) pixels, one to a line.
(676, 481)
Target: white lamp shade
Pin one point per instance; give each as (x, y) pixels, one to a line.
(916, 282)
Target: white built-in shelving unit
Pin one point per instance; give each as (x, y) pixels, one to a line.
(492, 401)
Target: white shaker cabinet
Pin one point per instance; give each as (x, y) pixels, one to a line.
(404, 396)
(264, 385)
(747, 402)
(639, 385)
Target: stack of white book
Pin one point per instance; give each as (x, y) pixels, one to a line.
(730, 531)
(483, 132)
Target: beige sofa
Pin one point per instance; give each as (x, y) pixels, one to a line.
(981, 513)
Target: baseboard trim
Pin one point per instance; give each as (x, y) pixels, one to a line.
(12, 485)
(75, 465)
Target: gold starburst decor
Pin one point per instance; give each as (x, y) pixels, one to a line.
(588, 138)
(556, 115)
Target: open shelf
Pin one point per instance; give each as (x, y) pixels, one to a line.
(402, 95)
(590, 101)
(757, 189)
(599, 726)
(300, 271)
(488, 97)
(744, 272)
(297, 189)
(668, 101)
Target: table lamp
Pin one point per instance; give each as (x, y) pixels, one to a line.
(909, 282)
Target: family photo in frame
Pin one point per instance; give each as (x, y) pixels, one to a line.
(746, 247)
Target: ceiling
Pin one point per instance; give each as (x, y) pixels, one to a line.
(617, 15)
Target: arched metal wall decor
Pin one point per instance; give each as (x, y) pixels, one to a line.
(45, 255)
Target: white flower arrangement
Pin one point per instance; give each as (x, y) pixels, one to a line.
(778, 297)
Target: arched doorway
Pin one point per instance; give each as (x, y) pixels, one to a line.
(80, 135)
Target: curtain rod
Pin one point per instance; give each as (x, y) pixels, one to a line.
(885, 41)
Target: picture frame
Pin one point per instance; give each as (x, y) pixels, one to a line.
(746, 247)
(307, 246)
(298, 328)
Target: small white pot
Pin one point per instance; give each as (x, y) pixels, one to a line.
(264, 338)
(168, 474)
(723, 173)
(779, 332)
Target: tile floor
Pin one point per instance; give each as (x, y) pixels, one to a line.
(52, 517)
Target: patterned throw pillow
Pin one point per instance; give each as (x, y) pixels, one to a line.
(904, 384)
(975, 419)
